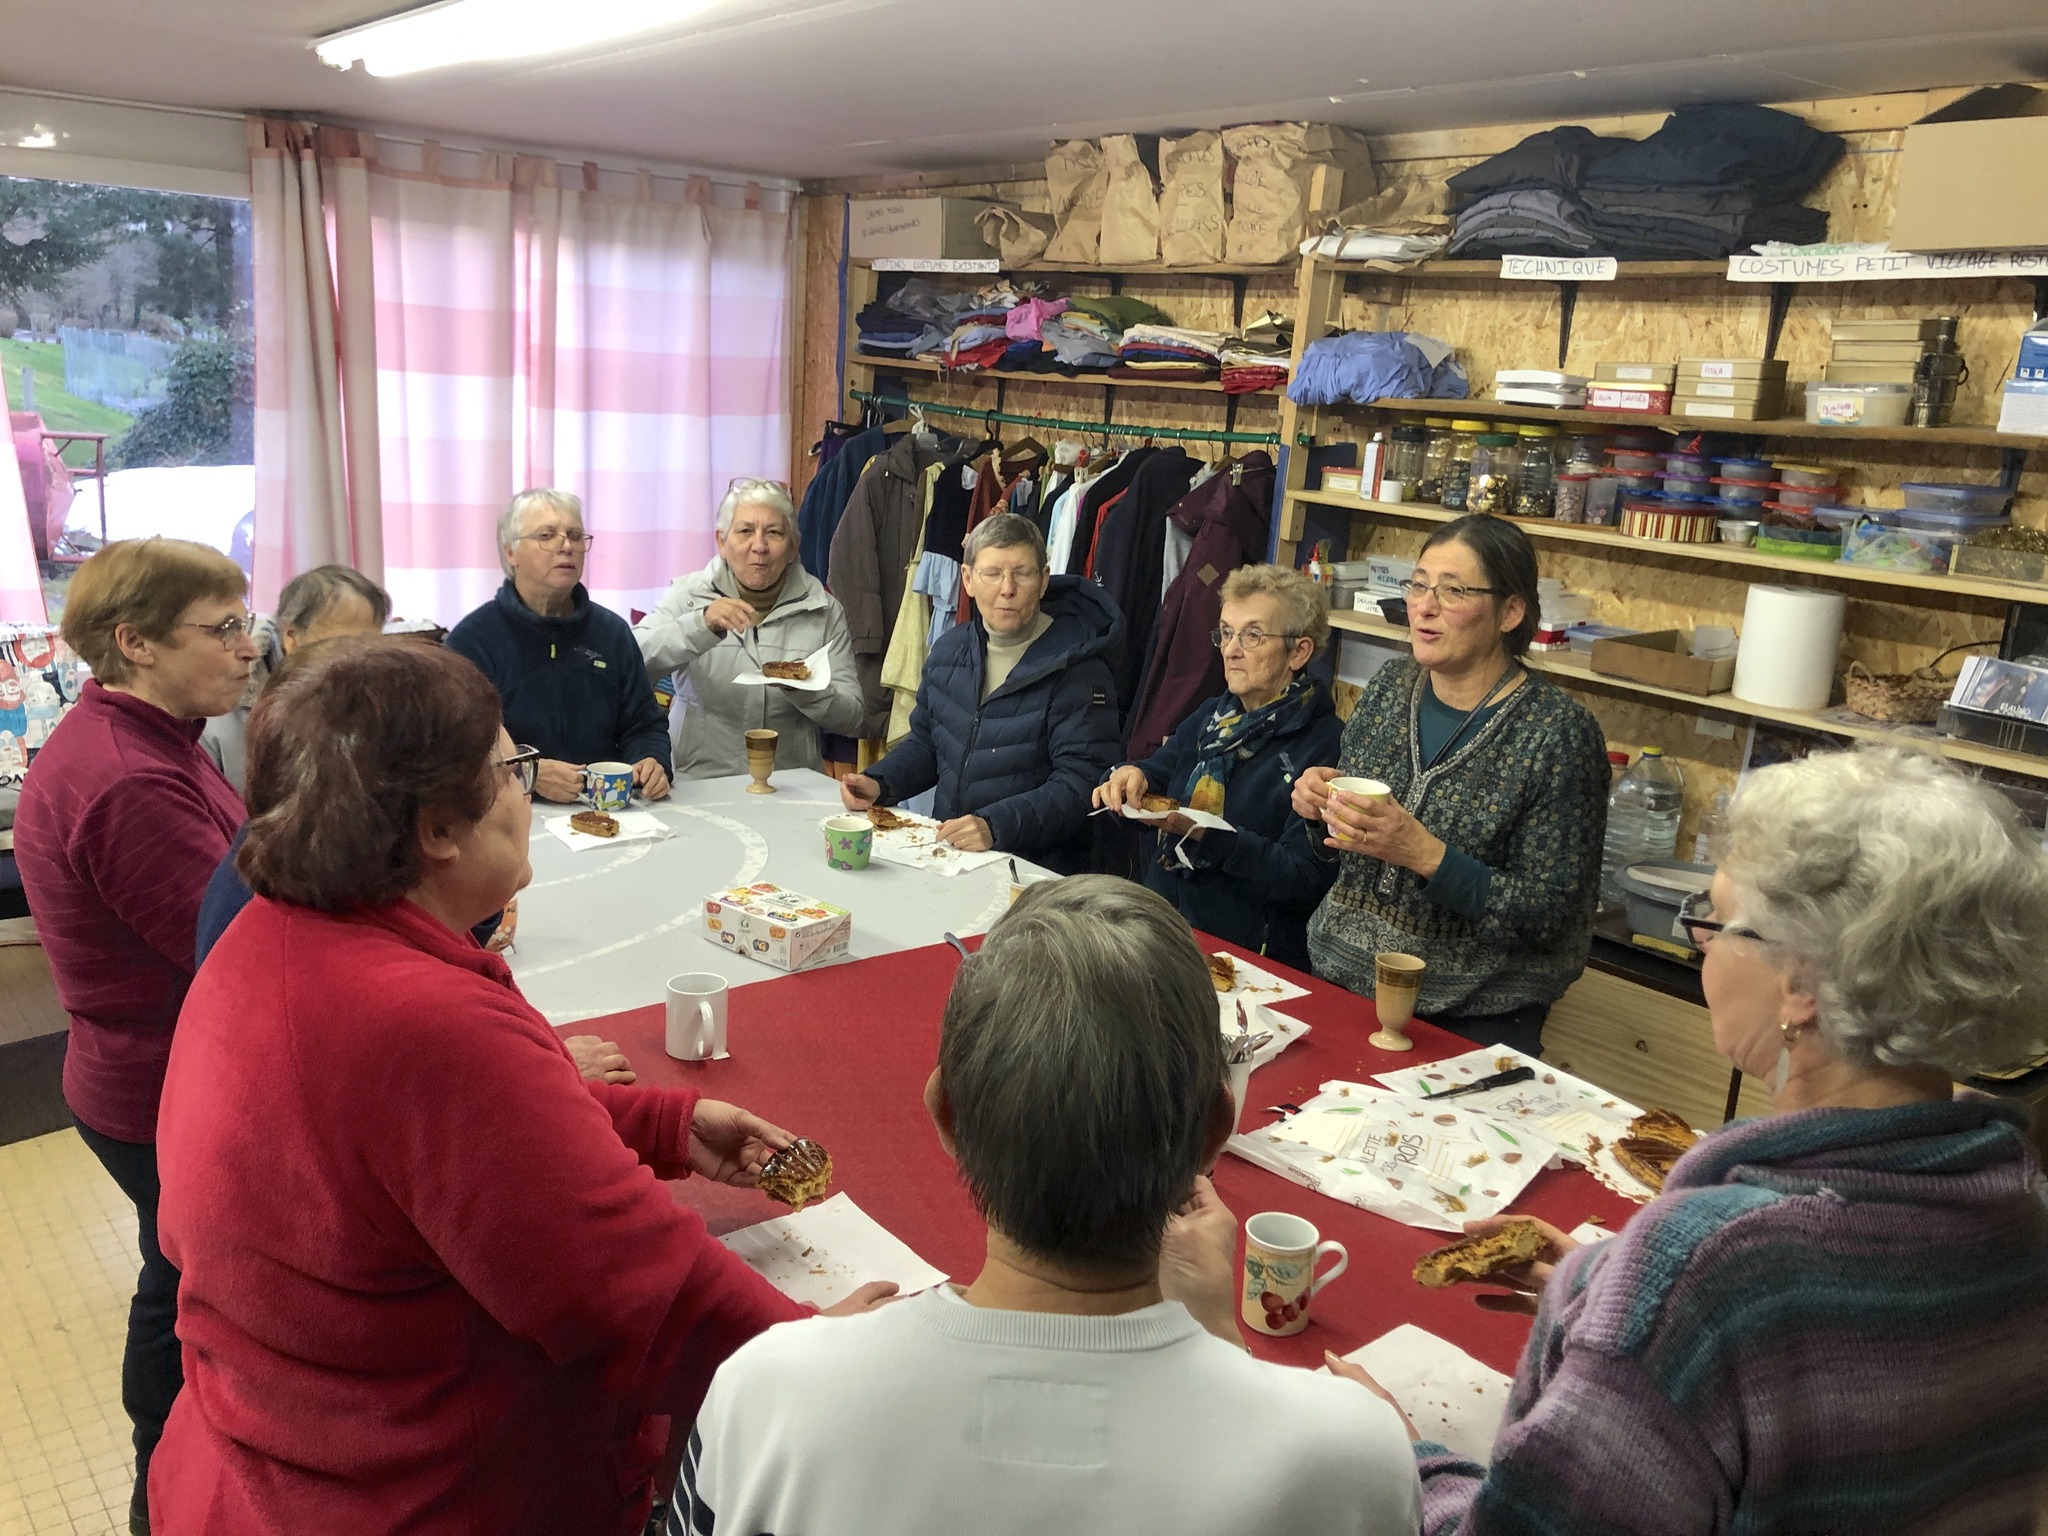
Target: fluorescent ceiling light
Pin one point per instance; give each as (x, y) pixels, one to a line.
(480, 31)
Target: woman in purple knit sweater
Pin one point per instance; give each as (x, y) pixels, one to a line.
(1835, 1317)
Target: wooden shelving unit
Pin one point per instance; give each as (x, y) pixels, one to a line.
(1734, 556)
(1069, 269)
(970, 375)
(1572, 669)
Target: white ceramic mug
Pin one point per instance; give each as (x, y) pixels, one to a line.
(696, 1016)
(1280, 1255)
(608, 786)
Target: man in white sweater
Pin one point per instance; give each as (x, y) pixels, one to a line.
(1080, 1087)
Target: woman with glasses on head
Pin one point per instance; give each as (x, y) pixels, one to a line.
(1485, 859)
(122, 820)
(1830, 1319)
(566, 669)
(1237, 756)
(432, 1281)
(753, 604)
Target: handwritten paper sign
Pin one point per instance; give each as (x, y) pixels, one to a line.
(1560, 269)
(1884, 266)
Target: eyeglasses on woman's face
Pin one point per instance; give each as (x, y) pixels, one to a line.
(1250, 639)
(1448, 595)
(560, 538)
(228, 631)
(1696, 917)
(524, 764)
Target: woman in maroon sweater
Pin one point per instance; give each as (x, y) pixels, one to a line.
(433, 1282)
(122, 819)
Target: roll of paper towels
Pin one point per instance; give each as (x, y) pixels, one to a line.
(1787, 656)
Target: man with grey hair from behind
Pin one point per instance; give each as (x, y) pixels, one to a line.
(566, 669)
(1078, 1384)
(753, 612)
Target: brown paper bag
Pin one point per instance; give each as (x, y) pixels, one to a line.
(1275, 163)
(1191, 218)
(1130, 208)
(1019, 238)
(1078, 182)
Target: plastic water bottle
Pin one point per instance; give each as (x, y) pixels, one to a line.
(1642, 820)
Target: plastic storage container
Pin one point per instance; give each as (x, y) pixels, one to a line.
(1495, 459)
(1436, 452)
(1536, 475)
(1653, 890)
(1986, 503)
(1808, 475)
(1457, 481)
(1568, 503)
(1407, 448)
(1642, 820)
(1921, 551)
(1799, 543)
(1858, 405)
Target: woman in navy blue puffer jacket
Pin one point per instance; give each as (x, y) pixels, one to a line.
(1016, 719)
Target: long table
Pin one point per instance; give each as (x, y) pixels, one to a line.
(603, 929)
(841, 1054)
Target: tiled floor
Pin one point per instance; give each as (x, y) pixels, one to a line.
(67, 1269)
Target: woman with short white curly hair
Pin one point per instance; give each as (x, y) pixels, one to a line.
(1831, 1317)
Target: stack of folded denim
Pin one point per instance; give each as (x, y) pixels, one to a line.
(1710, 182)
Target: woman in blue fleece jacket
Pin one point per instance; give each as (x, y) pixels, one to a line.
(568, 671)
(1016, 717)
(1237, 757)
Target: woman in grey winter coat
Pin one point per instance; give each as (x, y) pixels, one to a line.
(751, 605)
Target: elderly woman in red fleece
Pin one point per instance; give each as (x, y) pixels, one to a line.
(432, 1281)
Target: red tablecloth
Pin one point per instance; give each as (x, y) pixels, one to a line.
(842, 1054)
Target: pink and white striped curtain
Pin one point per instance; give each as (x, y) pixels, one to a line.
(21, 586)
(623, 344)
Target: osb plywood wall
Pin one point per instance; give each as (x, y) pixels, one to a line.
(1507, 325)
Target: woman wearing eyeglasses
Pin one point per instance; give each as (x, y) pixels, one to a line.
(566, 668)
(1485, 859)
(122, 819)
(1831, 1318)
(751, 605)
(454, 1296)
(1237, 756)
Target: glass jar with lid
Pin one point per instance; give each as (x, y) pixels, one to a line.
(1457, 483)
(1495, 459)
(1536, 476)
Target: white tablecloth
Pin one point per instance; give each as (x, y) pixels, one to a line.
(603, 930)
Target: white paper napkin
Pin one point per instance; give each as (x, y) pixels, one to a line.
(1259, 986)
(819, 680)
(825, 1252)
(1448, 1396)
(917, 847)
(634, 827)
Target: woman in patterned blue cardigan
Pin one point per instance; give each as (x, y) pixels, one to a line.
(1833, 1317)
(1486, 860)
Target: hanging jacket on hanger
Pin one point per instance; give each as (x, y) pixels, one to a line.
(1130, 551)
(826, 497)
(1113, 482)
(910, 640)
(871, 557)
(1229, 517)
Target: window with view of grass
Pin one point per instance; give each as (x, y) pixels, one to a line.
(127, 350)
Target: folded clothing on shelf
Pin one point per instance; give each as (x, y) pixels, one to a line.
(1364, 366)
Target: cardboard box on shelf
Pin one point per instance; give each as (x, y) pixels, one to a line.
(1616, 396)
(1885, 330)
(1662, 659)
(1729, 368)
(1735, 389)
(940, 228)
(1869, 373)
(777, 927)
(1655, 375)
(1877, 351)
(1767, 408)
(1974, 176)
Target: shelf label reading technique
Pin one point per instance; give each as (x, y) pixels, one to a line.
(1560, 269)
(1884, 266)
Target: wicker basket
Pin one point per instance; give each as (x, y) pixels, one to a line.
(1902, 698)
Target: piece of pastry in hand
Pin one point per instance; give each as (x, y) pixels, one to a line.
(596, 823)
(1157, 805)
(885, 820)
(797, 1174)
(1222, 971)
(788, 671)
(1474, 1258)
(1652, 1145)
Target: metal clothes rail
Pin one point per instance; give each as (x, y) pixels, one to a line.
(1064, 424)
